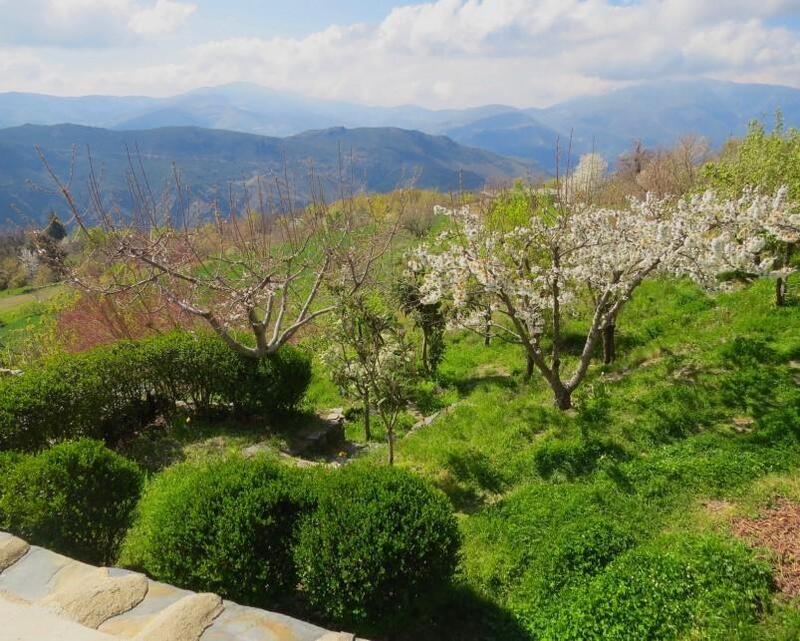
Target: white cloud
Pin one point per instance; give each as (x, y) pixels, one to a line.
(164, 17)
(460, 52)
(88, 23)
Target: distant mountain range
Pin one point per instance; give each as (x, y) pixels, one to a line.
(215, 163)
(657, 114)
(228, 135)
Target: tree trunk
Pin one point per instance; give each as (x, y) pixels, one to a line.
(609, 344)
(390, 439)
(563, 398)
(367, 431)
(425, 363)
(529, 367)
(780, 291)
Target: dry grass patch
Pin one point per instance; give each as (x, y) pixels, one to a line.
(777, 529)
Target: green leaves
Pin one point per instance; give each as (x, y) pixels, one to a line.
(75, 498)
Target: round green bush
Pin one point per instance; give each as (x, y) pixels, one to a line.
(76, 498)
(380, 542)
(225, 526)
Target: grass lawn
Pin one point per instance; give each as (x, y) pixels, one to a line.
(20, 308)
(702, 409)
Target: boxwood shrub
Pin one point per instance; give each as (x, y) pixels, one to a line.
(380, 543)
(356, 545)
(75, 498)
(108, 392)
(225, 526)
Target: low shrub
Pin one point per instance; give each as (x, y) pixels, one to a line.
(226, 526)
(357, 545)
(75, 498)
(690, 586)
(110, 391)
(380, 543)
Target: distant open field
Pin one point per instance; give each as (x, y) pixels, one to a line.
(21, 307)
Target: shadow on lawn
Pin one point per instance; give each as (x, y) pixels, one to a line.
(464, 615)
(466, 386)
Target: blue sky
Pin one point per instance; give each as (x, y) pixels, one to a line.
(439, 53)
(280, 18)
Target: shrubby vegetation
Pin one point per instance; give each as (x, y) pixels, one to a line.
(703, 586)
(76, 498)
(111, 391)
(356, 545)
(378, 546)
(227, 527)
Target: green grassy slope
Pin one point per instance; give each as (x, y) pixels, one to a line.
(703, 406)
(20, 308)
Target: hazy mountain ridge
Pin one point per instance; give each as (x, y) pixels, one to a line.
(656, 113)
(212, 160)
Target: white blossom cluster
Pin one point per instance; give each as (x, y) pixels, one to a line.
(746, 235)
(532, 273)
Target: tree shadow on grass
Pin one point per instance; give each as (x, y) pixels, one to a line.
(464, 615)
(470, 477)
(572, 343)
(466, 386)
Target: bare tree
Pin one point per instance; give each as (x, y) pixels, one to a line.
(256, 269)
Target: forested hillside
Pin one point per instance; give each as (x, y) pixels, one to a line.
(216, 165)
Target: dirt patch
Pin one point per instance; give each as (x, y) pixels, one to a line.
(778, 530)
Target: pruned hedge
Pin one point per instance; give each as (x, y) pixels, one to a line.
(357, 546)
(380, 546)
(76, 498)
(226, 526)
(109, 391)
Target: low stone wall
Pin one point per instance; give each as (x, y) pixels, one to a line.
(40, 590)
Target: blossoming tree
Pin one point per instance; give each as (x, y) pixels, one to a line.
(532, 275)
(748, 237)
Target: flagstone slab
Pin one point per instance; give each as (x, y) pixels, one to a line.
(92, 600)
(251, 624)
(40, 572)
(158, 598)
(12, 550)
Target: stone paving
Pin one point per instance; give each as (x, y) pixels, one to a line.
(46, 596)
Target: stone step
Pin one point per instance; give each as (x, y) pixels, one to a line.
(44, 595)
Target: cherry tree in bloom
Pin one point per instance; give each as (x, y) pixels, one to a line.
(533, 275)
(752, 236)
(587, 178)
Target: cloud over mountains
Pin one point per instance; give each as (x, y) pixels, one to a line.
(441, 53)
